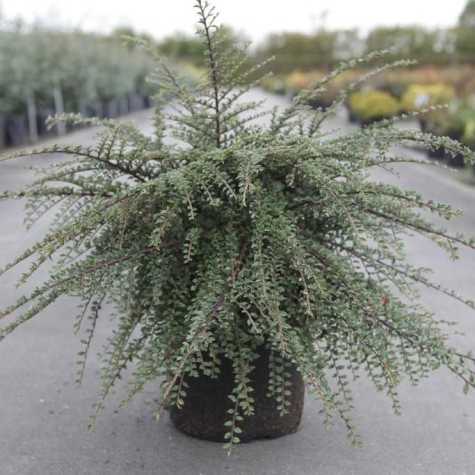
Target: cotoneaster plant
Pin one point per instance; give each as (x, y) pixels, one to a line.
(238, 235)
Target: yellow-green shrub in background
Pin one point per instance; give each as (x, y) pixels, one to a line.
(469, 133)
(298, 80)
(458, 123)
(275, 85)
(334, 88)
(301, 80)
(396, 82)
(420, 96)
(370, 106)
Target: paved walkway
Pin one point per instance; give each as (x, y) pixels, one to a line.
(43, 417)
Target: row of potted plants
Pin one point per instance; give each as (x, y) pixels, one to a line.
(396, 82)
(387, 95)
(371, 105)
(47, 71)
(458, 123)
(396, 93)
(299, 81)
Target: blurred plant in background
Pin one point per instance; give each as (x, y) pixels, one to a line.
(97, 75)
(371, 106)
(59, 71)
(443, 76)
(419, 96)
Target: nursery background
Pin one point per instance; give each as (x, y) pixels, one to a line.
(59, 57)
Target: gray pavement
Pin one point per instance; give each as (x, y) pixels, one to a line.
(43, 416)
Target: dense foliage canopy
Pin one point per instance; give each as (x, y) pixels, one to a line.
(238, 234)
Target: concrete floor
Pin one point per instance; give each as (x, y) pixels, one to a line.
(43, 416)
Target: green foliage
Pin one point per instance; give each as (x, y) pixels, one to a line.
(465, 44)
(467, 18)
(276, 85)
(86, 67)
(444, 123)
(457, 123)
(236, 235)
(323, 49)
(441, 85)
(421, 96)
(468, 136)
(189, 49)
(370, 106)
(425, 45)
(465, 34)
(459, 79)
(300, 81)
(184, 48)
(299, 51)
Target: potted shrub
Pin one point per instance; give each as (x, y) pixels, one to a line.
(371, 106)
(275, 85)
(243, 260)
(327, 91)
(468, 137)
(420, 95)
(451, 124)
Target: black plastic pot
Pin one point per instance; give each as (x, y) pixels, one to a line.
(441, 154)
(206, 404)
(16, 130)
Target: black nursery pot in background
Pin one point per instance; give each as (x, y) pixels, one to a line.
(204, 412)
